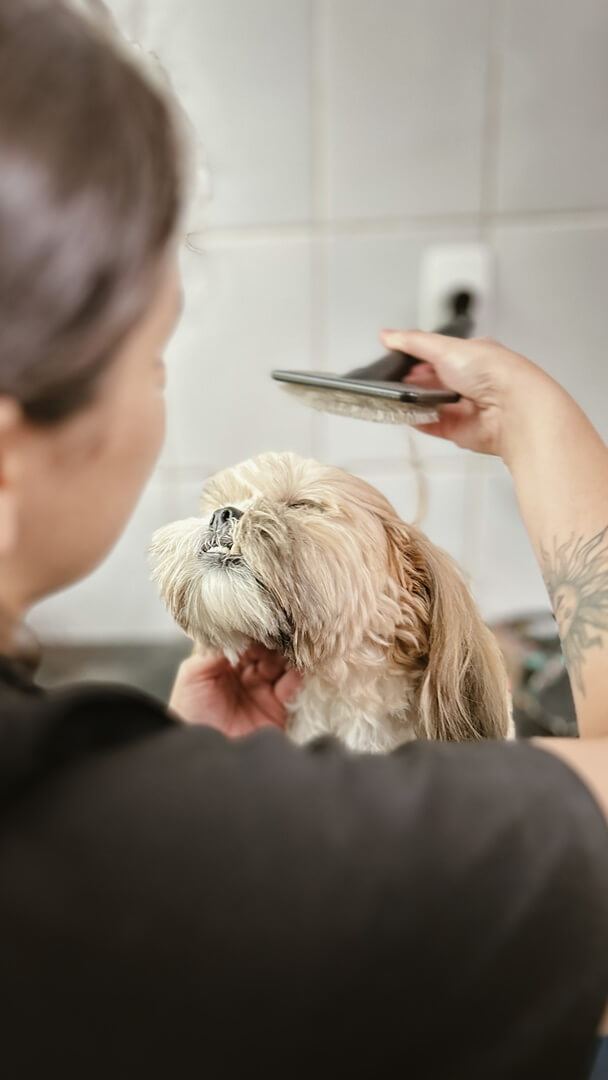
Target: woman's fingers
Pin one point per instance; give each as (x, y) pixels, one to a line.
(250, 676)
(451, 363)
(269, 662)
(424, 375)
(260, 665)
(272, 666)
(287, 686)
(203, 666)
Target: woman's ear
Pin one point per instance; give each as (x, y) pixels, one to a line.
(462, 692)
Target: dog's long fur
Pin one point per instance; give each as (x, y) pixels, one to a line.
(377, 619)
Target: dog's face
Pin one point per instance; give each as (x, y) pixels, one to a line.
(314, 562)
(286, 552)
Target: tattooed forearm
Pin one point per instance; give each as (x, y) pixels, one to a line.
(576, 576)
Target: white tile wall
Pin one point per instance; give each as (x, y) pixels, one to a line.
(551, 304)
(343, 137)
(405, 106)
(241, 69)
(553, 146)
(188, 495)
(247, 310)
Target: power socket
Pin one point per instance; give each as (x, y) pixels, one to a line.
(447, 269)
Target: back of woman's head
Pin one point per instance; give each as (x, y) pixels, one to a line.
(90, 191)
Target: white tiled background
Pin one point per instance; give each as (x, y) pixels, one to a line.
(343, 137)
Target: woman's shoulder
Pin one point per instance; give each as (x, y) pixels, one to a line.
(43, 732)
(222, 869)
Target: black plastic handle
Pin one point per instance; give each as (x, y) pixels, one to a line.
(394, 366)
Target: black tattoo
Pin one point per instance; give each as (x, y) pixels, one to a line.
(576, 576)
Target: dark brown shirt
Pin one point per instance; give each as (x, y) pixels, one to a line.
(174, 904)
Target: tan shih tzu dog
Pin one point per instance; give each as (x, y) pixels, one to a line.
(313, 561)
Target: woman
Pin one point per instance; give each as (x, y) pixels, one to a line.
(171, 899)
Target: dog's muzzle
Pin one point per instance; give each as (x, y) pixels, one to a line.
(220, 536)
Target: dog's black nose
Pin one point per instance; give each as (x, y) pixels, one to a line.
(223, 516)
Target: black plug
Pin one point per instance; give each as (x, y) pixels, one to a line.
(461, 323)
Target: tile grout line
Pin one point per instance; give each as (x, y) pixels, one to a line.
(319, 205)
(474, 478)
(397, 466)
(318, 104)
(491, 121)
(303, 232)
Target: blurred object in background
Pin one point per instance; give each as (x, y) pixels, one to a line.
(144, 666)
(542, 698)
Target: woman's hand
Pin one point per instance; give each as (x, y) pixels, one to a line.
(495, 383)
(235, 700)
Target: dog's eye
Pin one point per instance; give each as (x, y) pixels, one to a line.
(304, 504)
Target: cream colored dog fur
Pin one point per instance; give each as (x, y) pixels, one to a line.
(313, 561)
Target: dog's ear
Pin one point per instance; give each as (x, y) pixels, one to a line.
(462, 692)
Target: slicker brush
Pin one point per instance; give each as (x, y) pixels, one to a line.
(376, 391)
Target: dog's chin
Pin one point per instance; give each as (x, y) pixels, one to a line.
(233, 609)
(213, 594)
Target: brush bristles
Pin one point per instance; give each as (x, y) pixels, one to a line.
(362, 406)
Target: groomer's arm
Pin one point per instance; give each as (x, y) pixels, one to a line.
(559, 466)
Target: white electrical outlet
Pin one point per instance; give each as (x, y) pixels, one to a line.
(447, 269)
